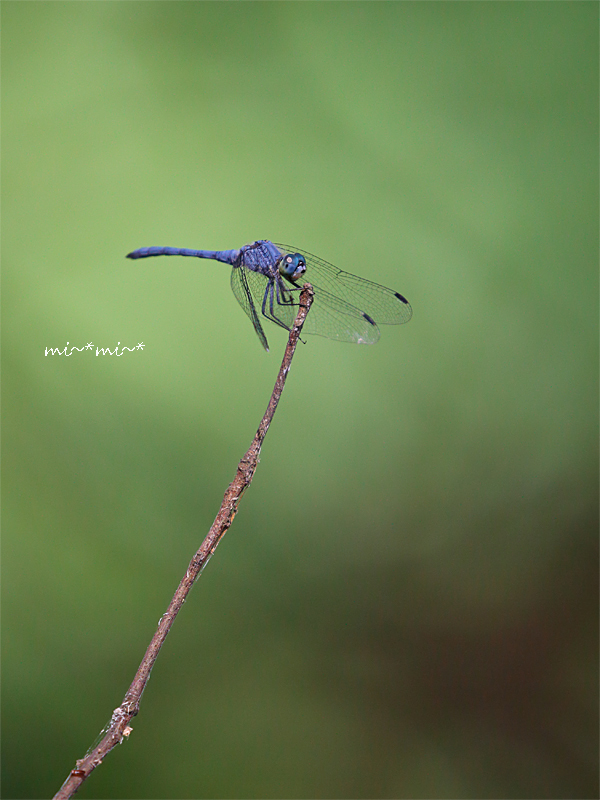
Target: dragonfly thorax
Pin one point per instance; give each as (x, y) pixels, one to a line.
(292, 266)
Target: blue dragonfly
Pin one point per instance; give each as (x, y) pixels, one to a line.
(267, 279)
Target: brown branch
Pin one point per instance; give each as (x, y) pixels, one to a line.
(122, 716)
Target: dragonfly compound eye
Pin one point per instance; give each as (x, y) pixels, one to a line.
(292, 266)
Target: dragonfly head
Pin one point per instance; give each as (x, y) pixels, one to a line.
(292, 266)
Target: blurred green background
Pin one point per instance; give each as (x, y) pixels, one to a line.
(406, 604)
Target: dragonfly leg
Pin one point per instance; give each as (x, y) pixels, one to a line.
(284, 295)
(270, 314)
(283, 298)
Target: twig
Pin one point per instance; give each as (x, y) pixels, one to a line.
(122, 716)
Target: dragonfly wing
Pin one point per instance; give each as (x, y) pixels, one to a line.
(383, 305)
(249, 289)
(333, 318)
(270, 297)
(329, 316)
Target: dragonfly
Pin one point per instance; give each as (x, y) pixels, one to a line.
(267, 278)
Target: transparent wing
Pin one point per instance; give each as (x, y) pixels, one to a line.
(249, 289)
(329, 316)
(333, 318)
(383, 305)
(264, 297)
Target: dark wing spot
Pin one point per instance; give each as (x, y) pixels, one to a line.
(399, 296)
(368, 318)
